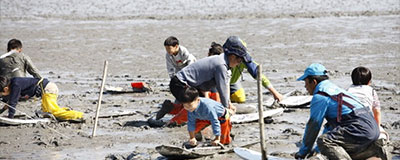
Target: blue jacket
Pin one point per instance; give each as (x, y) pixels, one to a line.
(207, 109)
(324, 107)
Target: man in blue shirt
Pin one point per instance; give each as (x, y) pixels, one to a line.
(351, 127)
(203, 112)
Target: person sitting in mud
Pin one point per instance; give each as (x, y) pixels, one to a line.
(12, 89)
(350, 131)
(204, 112)
(14, 63)
(205, 74)
(177, 56)
(236, 90)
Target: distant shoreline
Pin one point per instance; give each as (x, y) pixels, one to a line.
(190, 9)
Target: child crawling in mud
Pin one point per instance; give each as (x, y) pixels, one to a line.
(13, 89)
(202, 112)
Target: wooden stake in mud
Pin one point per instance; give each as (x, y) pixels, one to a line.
(260, 115)
(100, 96)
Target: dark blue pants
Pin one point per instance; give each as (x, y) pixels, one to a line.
(352, 135)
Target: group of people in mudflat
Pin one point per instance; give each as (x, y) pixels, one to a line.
(204, 90)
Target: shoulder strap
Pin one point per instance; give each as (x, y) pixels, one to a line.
(338, 98)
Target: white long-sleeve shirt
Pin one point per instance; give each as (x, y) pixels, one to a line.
(176, 62)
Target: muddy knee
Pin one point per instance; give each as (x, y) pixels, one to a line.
(331, 150)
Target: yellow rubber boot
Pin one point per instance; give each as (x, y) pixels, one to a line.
(239, 96)
(49, 104)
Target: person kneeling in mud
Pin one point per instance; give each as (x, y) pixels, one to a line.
(12, 89)
(204, 111)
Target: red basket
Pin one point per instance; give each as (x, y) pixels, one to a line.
(137, 85)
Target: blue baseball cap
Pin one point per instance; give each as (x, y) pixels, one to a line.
(234, 45)
(314, 69)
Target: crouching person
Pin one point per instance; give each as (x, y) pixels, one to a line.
(350, 128)
(202, 112)
(12, 89)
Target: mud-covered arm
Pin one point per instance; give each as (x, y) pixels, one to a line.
(32, 70)
(318, 108)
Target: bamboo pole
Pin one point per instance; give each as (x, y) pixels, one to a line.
(260, 115)
(100, 97)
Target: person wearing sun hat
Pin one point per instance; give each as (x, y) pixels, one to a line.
(350, 129)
